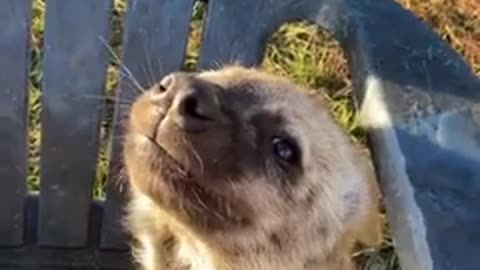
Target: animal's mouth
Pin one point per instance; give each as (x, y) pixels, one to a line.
(168, 160)
(149, 136)
(178, 190)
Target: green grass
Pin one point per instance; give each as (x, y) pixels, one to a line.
(298, 51)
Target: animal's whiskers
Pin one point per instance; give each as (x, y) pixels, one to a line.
(127, 71)
(149, 72)
(107, 98)
(196, 155)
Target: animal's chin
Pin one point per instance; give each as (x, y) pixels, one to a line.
(199, 207)
(176, 190)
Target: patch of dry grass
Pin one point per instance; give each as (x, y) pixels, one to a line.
(298, 51)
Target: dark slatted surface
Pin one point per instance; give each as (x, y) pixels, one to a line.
(156, 35)
(75, 63)
(14, 27)
(31, 257)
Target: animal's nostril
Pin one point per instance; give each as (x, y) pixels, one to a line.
(165, 83)
(193, 108)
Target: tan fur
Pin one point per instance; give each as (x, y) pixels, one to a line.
(211, 201)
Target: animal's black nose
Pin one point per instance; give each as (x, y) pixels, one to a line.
(194, 105)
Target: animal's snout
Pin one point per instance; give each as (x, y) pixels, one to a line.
(193, 105)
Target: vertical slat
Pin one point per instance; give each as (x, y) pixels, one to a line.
(14, 36)
(75, 63)
(237, 31)
(156, 34)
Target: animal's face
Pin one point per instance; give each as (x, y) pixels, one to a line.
(237, 150)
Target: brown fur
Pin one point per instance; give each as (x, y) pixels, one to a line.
(216, 199)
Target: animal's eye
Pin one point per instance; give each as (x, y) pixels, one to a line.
(285, 149)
